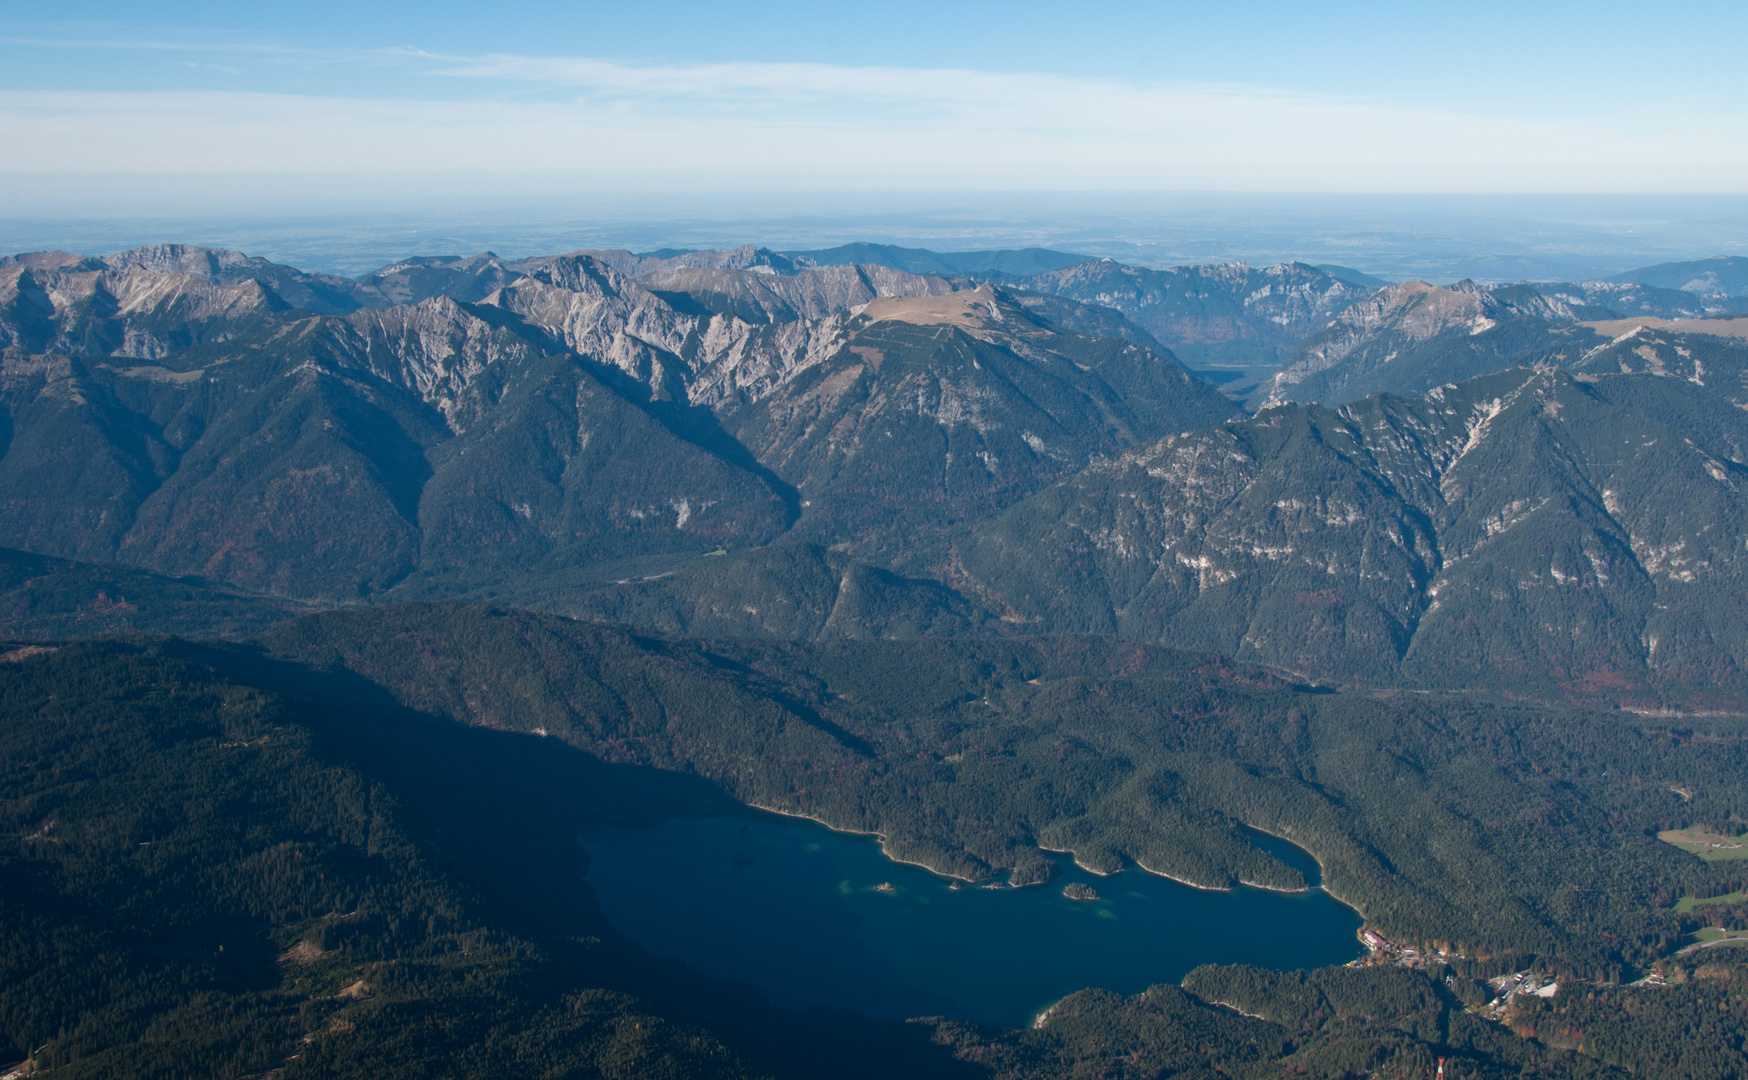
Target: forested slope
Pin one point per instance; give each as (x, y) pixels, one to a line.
(1494, 828)
(220, 863)
(1553, 535)
(208, 878)
(54, 599)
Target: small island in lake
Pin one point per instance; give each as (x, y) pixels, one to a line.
(1074, 890)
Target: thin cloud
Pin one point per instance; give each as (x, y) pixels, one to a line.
(742, 126)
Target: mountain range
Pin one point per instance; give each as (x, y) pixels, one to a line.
(1528, 528)
(868, 451)
(539, 420)
(331, 605)
(1407, 339)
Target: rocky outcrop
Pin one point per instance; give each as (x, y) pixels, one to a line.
(323, 294)
(1608, 299)
(1341, 362)
(125, 312)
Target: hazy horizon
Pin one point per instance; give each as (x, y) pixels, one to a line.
(1499, 143)
(1440, 238)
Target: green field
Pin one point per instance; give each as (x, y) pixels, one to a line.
(1707, 845)
(1689, 903)
(1714, 936)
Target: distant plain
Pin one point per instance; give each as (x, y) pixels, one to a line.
(1398, 237)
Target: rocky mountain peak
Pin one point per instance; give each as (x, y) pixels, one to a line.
(87, 308)
(324, 294)
(180, 259)
(1397, 318)
(745, 257)
(581, 273)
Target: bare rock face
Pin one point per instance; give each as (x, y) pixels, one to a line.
(1603, 299)
(127, 312)
(50, 260)
(746, 257)
(469, 279)
(591, 309)
(921, 412)
(183, 259)
(1487, 329)
(437, 348)
(324, 294)
(1414, 312)
(198, 411)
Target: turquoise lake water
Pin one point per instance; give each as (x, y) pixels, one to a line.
(797, 911)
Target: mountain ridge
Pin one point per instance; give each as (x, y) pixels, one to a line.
(626, 410)
(1344, 541)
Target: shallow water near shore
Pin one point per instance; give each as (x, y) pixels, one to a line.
(814, 917)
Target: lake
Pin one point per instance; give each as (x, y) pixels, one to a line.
(799, 911)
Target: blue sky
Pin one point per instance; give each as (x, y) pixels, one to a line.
(453, 99)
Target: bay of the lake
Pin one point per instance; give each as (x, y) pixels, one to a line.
(819, 918)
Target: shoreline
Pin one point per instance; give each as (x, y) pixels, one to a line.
(1322, 874)
(1181, 881)
(1138, 863)
(879, 836)
(1075, 859)
(1279, 889)
(1289, 840)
